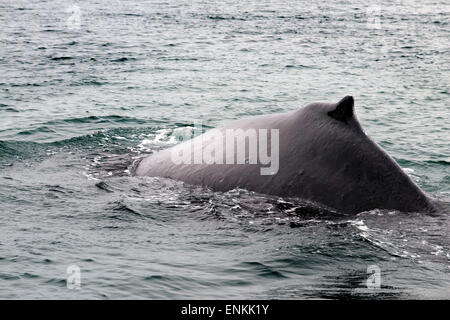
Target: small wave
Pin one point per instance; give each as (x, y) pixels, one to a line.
(232, 18)
(43, 129)
(61, 58)
(18, 149)
(132, 14)
(30, 275)
(104, 186)
(88, 82)
(299, 66)
(263, 270)
(123, 59)
(57, 282)
(5, 107)
(441, 162)
(27, 84)
(374, 238)
(123, 211)
(100, 119)
(116, 140)
(5, 276)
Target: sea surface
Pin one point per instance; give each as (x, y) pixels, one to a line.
(87, 88)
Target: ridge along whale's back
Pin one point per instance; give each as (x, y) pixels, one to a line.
(324, 156)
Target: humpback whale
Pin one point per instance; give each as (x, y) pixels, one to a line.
(318, 153)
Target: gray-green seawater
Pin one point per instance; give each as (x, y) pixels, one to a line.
(89, 87)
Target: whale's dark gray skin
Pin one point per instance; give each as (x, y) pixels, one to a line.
(324, 156)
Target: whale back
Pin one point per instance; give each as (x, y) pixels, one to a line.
(324, 156)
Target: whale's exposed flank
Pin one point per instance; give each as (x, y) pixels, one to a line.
(324, 156)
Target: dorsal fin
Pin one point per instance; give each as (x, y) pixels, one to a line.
(344, 109)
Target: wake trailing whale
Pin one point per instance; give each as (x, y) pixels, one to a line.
(318, 153)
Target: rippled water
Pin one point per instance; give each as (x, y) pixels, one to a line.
(89, 87)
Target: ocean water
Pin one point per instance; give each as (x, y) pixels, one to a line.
(87, 88)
